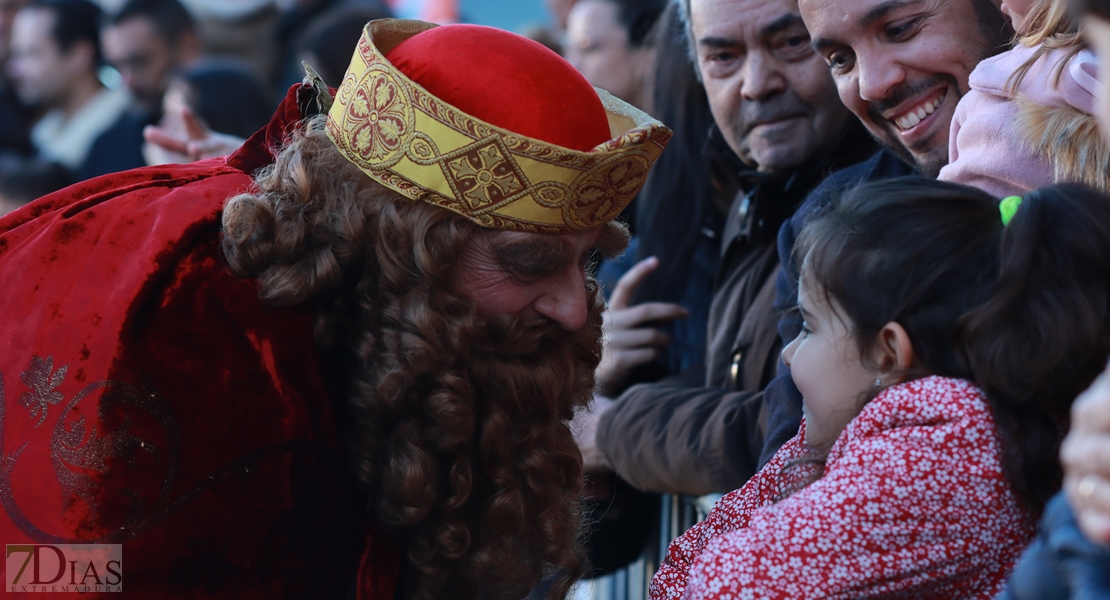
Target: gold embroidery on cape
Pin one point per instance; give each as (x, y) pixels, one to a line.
(408, 140)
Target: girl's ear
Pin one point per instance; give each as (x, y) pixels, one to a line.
(894, 350)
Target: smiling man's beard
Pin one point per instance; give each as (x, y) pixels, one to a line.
(929, 163)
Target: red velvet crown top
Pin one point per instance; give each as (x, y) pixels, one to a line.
(507, 80)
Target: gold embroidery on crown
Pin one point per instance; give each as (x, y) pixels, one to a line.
(484, 176)
(405, 138)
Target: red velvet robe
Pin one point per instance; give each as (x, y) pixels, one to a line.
(148, 399)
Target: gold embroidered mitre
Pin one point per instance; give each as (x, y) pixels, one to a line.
(412, 142)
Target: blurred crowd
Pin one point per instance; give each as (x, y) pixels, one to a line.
(777, 220)
(80, 84)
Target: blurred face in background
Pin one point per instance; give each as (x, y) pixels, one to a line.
(598, 46)
(559, 10)
(770, 93)
(144, 59)
(8, 10)
(39, 69)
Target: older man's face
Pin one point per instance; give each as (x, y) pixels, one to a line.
(902, 65)
(532, 276)
(770, 94)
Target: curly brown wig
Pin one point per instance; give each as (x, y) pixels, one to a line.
(456, 423)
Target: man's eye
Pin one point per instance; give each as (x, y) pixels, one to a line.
(527, 273)
(902, 30)
(795, 47)
(720, 57)
(841, 61)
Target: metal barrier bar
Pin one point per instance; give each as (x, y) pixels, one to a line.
(676, 515)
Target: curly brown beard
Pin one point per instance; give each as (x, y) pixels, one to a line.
(481, 464)
(456, 423)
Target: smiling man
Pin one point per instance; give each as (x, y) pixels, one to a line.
(901, 66)
(339, 362)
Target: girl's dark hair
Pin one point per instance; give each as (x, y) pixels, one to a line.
(1021, 310)
(915, 251)
(912, 250)
(1044, 335)
(1099, 8)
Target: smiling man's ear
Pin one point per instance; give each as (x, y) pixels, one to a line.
(894, 352)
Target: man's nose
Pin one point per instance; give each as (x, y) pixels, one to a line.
(878, 76)
(762, 77)
(565, 301)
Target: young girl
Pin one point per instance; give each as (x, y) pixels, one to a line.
(907, 479)
(1027, 122)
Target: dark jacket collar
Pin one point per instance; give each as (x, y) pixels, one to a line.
(767, 199)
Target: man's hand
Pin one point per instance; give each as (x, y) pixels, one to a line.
(584, 428)
(1085, 454)
(190, 142)
(630, 336)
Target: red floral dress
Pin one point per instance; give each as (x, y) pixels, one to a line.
(913, 503)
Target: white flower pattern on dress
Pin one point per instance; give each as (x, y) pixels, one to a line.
(914, 503)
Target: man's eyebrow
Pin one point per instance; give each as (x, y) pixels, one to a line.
(535, 255)
(784, 22)
(867, 20)
(879, 11)
(717, 42)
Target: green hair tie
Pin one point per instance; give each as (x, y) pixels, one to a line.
(1008, 208)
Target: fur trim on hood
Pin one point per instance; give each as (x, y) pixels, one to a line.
(1070, 139)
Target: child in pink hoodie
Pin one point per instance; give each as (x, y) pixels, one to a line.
(1027, 120)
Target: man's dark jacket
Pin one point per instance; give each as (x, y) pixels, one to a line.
(697, 433)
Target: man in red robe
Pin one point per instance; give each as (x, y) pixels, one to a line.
(340, 361)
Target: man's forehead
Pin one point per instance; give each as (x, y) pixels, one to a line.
(34, 24)
(836, 17)
(136, 25)
(741, 20)
(137, 34)
(35, 17)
